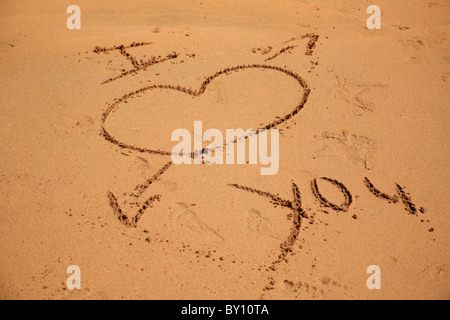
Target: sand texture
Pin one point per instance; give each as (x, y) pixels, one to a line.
(86, 176)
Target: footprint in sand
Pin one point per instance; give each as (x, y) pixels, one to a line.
(189, 219)
(256, 223)
(140, 166)
(355, 94)
(359, 149)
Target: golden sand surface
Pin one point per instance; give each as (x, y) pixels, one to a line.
(86, 176)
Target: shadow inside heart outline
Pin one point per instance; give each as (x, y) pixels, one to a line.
(115, 105)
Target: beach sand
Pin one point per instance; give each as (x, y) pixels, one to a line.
(363, 119)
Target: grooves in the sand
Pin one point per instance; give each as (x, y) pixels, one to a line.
(298, 213)
(313, 38)
(279, 120)
(139, 189)
(348, 196)
(137, 65)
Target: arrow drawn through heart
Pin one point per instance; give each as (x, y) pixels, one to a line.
(139, 189)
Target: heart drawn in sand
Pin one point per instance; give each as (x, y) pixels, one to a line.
(196, 93)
